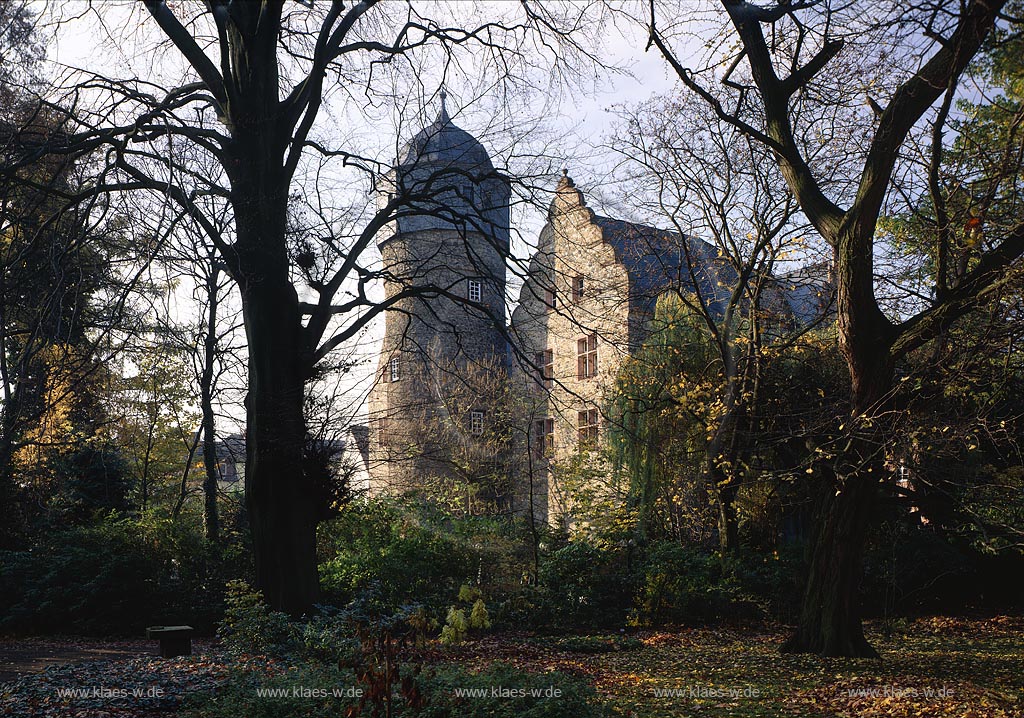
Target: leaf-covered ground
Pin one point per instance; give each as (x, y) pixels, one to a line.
(931, 667)
(102, 679)
(937, 667)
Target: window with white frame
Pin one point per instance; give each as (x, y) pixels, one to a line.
(475, 291)
(577, 288)
(586, 357)
(587, 423)
(550, 299)
(394, 372)
(543, 437)
(476, 422)
(545, 362)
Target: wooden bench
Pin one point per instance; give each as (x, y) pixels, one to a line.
(174, 640)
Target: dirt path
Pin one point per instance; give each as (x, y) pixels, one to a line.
(31, 655)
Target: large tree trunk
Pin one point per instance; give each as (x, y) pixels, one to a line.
(280, 497)
(281, 500)
(830, 620)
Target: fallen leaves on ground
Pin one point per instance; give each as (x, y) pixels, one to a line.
(126, 688)
(933, 667)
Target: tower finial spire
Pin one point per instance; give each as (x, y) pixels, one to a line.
(444, 105)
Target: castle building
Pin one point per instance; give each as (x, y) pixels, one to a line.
(585, 305)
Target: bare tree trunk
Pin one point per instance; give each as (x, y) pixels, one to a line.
(728, 521)
(280, 496)
(183, 482)
(211, 520)
(723, 455)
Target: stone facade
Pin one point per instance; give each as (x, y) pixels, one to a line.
(583, 309)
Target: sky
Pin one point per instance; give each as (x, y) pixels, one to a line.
(580, 119)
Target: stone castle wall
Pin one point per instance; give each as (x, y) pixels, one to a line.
(572, 247)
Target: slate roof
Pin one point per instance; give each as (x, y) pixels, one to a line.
(656, 259)
(809, 292)
(444, 143)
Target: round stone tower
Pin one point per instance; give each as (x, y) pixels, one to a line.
(444, 259)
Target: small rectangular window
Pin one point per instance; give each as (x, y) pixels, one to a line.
(394, 373)
(545, 362)
(549, 299)
(476, 422)
(577, 289)
(543, 437)
(587, 422)
(382, 431)
(475, 292)
(586, 357)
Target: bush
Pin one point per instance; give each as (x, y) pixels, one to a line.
(689, 585)
(775, 581)
(250, 627)
(239, 697)
(113, 577)
(680, 585)
(397, 556)
(582, 585)
(392, 554)
(910, 568)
